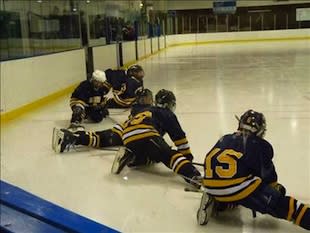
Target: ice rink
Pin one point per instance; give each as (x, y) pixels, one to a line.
(212, 83)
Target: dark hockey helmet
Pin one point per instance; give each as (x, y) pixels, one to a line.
(253, 122)
(165, 99)
(144, 96)
(136, 71)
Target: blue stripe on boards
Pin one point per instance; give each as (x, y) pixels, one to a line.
(47, 212)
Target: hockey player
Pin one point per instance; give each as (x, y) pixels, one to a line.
(142, 136)
(239, 171)
(64, 139)
(88, 100)
(124, 85)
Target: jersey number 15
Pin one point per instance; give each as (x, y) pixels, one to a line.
(227, 157)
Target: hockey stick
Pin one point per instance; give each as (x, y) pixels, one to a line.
(123, 110)
(191, 189)
(198, 164)
(194, 190)
(113, 120)
(108, 148)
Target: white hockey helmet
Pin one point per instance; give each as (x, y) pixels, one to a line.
(99, 76)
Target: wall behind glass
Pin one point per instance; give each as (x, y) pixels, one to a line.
(272, 17)
(38, 27)
(35, 27)
(111, 21)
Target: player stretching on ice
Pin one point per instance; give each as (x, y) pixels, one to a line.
(142, 135)
(239, 171)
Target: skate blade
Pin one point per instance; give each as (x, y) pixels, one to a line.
(117, 159)
(56, 140)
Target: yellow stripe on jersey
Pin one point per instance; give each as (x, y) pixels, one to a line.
(301, 214)
(119, 100)
(97, 140)
(117, 131)
(74, 101)
(140, 136)
(185, 152)
(107, 85)
(291, 209)
(130, 99)
(223, 183)
(180, 165)
(174, 157)
(137, 131)
(140, 126)
(123, 102)
(90, 138)
(241, 195)
(180, 141)
(94, 140)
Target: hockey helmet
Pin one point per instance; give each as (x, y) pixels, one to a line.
(253, 122)
(98, 78)
(144, 96)
(165, 99)
(136, 71)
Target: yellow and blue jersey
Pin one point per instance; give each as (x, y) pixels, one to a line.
(149, 121)
(236, 166)
(85, 95)
(124, 87)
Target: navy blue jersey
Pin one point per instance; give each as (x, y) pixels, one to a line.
(236, 166)
(124, 86)
(85, 95)
(147, 121)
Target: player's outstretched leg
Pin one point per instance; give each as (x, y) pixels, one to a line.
(62, 140)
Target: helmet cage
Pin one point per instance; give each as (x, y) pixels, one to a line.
(253, 122)
(165, 99)
(144, 96)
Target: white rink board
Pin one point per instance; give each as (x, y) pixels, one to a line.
(105, 57)
(129, 52)
(26, 80)
(141, 48)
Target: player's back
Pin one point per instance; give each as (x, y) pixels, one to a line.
(140, 124)
(238, 154)
(161, 119)
(116, 78)
(155, 119)
(231, 167)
